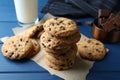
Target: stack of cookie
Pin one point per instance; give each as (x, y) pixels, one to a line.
(59, 42)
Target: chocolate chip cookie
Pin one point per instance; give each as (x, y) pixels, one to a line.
(91, 49)
(17, 47)
(50, 42)
(60, 27)
(56, 66)
(35, 31)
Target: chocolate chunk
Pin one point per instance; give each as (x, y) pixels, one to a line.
(19, 44)
(111, 16)
(90, 53)
(70, 63)
(35, 44)
(62, 27)
(97, 50)
(52, 23)
(12, 42)
(14, 45)
(27, 41)
(62, 65)
(21, 39)
(102, 20)
(16, 48)
(55, 18)
(103, 13)
(49, 29)
(89, 41)
(113, 24)
(49, 45)
(11, 54)
(17, 55)
(85, 46)
(60, 21)
(97, 43)
(6, 51)
(43, 45)
(69, 23)
(63, 54)
(49, 40)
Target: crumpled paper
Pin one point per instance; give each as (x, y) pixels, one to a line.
(79, 70)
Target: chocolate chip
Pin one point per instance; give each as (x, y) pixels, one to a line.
(49, 45)
(69, 23)
(62, 27)
(63, 54)
(97, 50)
(35, 44)
(43, 45)
(57, 23)
(16, 48)
(52, 35)
(61, 69)
(60, 21)
(85, 46)
(55, 18)
(50, 66)
(19, 45)
(52, 23)
(67, 59)
(12, 41)
(97, 43)
(14, 45)
(49, 29)
(90, 53)
(6, 51)
(55, 32)
(114, 24)
(71, 63)
(89, 41)
(49, 40)
(21, 39)
(11, 54)
(62, 65)
(17, 55)
(27, 41)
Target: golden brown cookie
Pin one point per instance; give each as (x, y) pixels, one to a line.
(60, 27)
(56, 66)
(17, 47)
(91, 49)
(35, 31)
(50, 42)
(72, 49)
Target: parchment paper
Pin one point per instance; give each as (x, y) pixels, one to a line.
(79, 70)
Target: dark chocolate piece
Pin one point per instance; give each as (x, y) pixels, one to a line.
(103, 13)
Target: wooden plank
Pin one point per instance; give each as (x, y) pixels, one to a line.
(28, 76)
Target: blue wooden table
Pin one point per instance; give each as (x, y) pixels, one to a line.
(106, 69)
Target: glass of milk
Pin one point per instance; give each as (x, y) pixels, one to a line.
(26, 12)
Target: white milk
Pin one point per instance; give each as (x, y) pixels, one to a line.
(26, 10)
